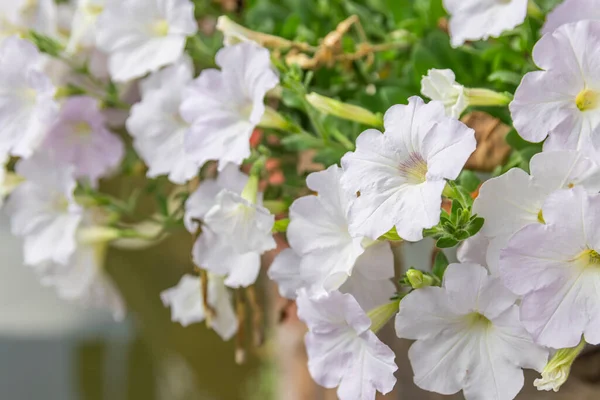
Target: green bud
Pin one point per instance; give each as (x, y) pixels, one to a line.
(45, 43)
(350, 112)
(272, 119)
(487, 97)
(556, 372)
(418, 279)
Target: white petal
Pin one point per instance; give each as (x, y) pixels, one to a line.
(285, 270)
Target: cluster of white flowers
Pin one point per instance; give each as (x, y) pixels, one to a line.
(527, 282)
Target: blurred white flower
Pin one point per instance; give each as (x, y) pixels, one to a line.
(83, 25)
(27, 105)
(187, 306)
(468, 336)
(80, 138)
(514, 199)
(562, 102)
(396, 178)
(83, 280)
(43, 210)
(481, 19)
(17, 17)
(157, 127)
(224, 106)
(141, 36)
(571, 11)
(342, 351)
(555, 267)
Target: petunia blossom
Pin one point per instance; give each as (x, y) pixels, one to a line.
(224, 106)
(157, 127)
(342, 350)
(481, 19)
(468, 336)
(235, 255)
(43, 210)
(328, 255)
(571, 11)
(561, 102)
(141, 36)
(80, 138)
(441, 85)
(187, 305)
(514, 200)
(27, 103)
(554, 266)
(396, 178)
(17, 17)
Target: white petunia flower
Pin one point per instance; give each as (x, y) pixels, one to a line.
(342, 350)
(43, 211)
(441, 85)
(223, 254)
(397, 178)
(83, 280)
(555, 267)
(224, 106)
(327, 253)
(157, 127)
(468, 336)
(187, 305)
(141, 36)
(245, 226)
(474, 250)
(571, 11)
(481, 19)
(80, 138)
(27, 103)
(285, 271)
(562, 102)
(514, 200)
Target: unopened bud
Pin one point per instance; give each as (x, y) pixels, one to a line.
(418, 279)
(342, 110)
(556, 372)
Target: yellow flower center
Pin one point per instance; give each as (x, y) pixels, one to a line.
(82, 129)
(477, 320)
(161, 27)
(587, 100)
(589, 258)
(414, 169)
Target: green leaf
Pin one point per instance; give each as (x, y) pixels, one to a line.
(475, 226)
(440, 264)
(469, 180)
(446, 242)
(503, 76)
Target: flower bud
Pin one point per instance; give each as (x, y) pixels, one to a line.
(272, 119)
(235, 33)
(556, 372)
(350, 112)
(381, 315)
(418, 279)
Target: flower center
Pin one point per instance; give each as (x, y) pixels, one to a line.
(477, 320)
(82, 129)
(93, 9)
(587, 100)
(589, 258)
(60, 204)
(161, 27)
(414, 169)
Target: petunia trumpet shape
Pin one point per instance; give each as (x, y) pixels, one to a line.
(396, 178)
(141, 36)
(342, 351)
(556, 268)
(187, 306)
(468, 336)
(562, 102)
(224, 106)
